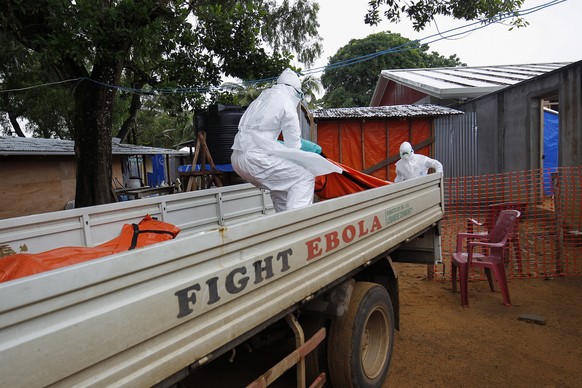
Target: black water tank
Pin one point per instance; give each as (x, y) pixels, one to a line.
(220, 122)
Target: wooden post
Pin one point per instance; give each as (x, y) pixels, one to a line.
(559, 223)
(203, 152)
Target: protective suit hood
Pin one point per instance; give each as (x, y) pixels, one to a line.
(406, 150)
(288, 77)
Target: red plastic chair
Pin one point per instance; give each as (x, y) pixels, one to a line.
(494, 261)
(492, 213)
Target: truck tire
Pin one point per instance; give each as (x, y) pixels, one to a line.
(360, 342)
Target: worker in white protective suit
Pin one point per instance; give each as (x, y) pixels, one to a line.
(412, 165)
(282, 168)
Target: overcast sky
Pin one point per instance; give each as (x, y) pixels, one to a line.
(554, 34)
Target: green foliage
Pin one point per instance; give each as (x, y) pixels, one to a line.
(241, 94)
(311, 87)
(293, 29)
(422, 12)
(178, 47)
(353, 85)
(47, 110)
(162, 130)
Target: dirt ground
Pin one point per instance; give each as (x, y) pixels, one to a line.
(442, 344)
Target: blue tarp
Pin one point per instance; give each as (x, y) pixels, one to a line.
(219, 167)
(551, 121)
(158, 175)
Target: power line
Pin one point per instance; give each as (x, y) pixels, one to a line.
(453, 32)
(42, 85)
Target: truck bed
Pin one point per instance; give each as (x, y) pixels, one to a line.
(135, 318)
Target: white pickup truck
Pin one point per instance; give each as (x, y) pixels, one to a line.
(156, 315)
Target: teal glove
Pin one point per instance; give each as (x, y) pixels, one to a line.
(308, 146)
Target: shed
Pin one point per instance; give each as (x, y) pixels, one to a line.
(39, 175)
(368, 138)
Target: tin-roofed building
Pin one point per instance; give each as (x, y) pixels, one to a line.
(502, 129)
(39, 175)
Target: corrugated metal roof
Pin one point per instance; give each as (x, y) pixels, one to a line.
(385, 112)
(463, 81)
(37, 146)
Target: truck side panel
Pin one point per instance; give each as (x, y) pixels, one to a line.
(192, 212)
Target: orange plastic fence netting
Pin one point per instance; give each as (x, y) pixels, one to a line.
(148, 231)
(548, 239)
(348, 182)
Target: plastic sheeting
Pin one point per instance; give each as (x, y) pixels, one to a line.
(349, 181)
(551, 124)
(361, 144)
(148, 231)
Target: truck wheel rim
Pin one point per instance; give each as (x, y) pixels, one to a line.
(375, 343)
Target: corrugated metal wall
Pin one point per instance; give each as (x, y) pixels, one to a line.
(456, 144)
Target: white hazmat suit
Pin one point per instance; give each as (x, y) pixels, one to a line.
(412, 165)
(260, 159)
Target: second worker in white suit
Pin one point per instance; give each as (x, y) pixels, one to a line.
(260, 159)
(413, 165)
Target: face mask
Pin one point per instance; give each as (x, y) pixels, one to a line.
(298, 93)
(405, 155)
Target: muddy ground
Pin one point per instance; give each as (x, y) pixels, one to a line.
(442, 344)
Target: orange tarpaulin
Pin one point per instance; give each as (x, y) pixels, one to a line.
(348, 182)
(148, 231)
(361, 143)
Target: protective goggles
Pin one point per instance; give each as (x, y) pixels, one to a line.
(298, 93)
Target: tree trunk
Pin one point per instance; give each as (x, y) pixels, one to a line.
(93, 123)
(15, 125)
(12, 117)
